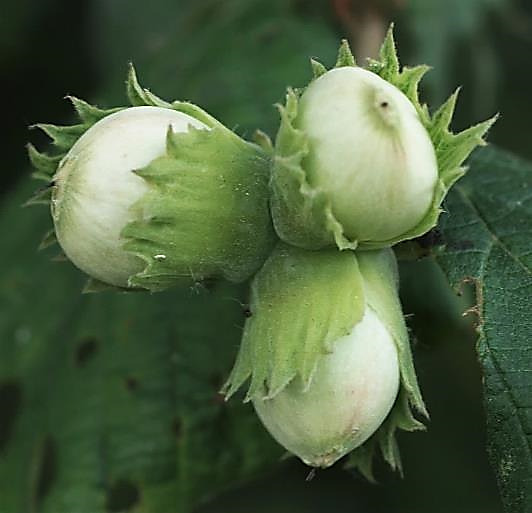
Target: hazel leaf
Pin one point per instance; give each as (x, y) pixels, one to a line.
(487, 237)
(125, 384)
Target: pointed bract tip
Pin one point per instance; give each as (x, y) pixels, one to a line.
(59, 257)
(345, 55)
(132, 77)
(263, 140)
(491, 121)
(443, 116)
(75, 101)
(388, 55)
(390, 37)
(318, 69)
(131, 72)
(49, 239)
(135, 92)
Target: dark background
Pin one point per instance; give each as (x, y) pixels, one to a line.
(235, 58)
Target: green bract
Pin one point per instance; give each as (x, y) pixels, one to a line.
(328, 357)
(350, 394)
(359, 162)
(146, 196)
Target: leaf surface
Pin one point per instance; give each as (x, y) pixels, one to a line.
(488, 234)
(109, 402)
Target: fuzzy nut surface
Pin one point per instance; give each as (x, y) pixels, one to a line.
(351, 393)
(95, 188)
(369, 151)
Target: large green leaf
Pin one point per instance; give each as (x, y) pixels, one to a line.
(109, 402)
(488, 236)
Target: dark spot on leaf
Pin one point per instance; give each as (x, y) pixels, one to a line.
(212, 282)
(10, 399)
(431, 239)
(247, 312)
(177, 428)
(384, 104)
(122, 496)
(47, 470)
(206, 284)
(132, 383)
(85, 351)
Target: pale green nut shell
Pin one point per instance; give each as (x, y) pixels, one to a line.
(327, 356)
(95, 188)
(369, 152)
(351, 393)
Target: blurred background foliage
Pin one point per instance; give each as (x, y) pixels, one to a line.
(235, 58)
